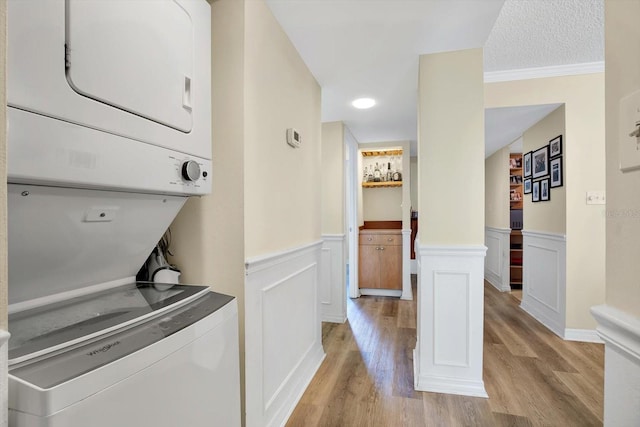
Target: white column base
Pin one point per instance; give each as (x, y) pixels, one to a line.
(621, 335)
(448, 354)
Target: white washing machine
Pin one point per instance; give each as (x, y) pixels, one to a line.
(131, 356)
(109, 133)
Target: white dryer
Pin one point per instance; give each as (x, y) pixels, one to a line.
(125, 84)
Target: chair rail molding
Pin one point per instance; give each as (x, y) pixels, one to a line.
(620, 332)
(496, 263)
(448, 353)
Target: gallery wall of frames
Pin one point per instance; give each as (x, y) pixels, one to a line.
(542, 170)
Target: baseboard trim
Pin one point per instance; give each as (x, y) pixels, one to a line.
(490, 280)
(542, 318)
(447, 385)
(380, 292)
(582, 335)
(333, 318)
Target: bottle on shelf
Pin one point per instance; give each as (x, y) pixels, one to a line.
(365, 176)
(389, 172)
(376, 173)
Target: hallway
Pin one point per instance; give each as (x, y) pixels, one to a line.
(533, 377)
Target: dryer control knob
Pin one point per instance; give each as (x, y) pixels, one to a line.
(191, 170)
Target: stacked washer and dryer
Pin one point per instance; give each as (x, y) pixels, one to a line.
(109, 133)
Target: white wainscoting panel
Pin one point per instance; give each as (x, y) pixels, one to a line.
(283, 332)
(544, 278)
(496, 263)
(4, 382)
(448, 354)
(333, 279)
(621, 335)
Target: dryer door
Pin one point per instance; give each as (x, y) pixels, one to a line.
(105, 38)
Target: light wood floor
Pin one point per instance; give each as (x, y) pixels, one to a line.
(533, 378)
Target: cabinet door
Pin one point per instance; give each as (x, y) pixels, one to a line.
(369, 268)
(391, 267)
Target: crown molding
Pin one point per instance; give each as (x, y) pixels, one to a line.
(542, 72)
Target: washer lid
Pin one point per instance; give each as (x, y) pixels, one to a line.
(104, 39)
(58, 325)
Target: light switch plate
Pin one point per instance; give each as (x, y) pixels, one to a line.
(629, 118)
(595, 198)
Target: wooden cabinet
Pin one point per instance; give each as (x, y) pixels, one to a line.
(380, 265)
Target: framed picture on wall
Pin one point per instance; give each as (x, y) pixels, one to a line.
(540, 162)
(556, 172)
(527, 164)
(545, 190)
(535, 191)
(555, 146)
(527, 186)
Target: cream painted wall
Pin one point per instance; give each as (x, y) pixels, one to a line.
(208, 234)
(451, 176)
(382, 204)
(584, 170)
(548, 216)
(496, 189)
(406, 183)
(3, 170)
(622, 35)
(413, 164)
(332, 178)
(282, 184)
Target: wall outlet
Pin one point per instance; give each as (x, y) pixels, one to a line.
(595, 198)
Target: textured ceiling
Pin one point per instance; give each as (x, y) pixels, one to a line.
(503, 126)
(539, 33)
(370, 48)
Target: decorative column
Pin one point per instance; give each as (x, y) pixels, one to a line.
(451, 251)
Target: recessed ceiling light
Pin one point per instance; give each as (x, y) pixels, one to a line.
(364, 103)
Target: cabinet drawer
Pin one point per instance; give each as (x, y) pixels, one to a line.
(381, 239)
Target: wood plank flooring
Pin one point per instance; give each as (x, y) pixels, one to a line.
(533, 377)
